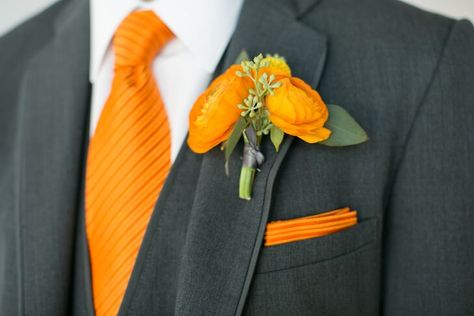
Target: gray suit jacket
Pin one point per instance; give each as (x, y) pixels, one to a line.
(406, 75)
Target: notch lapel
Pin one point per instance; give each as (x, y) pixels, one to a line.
(54, 114)
(225, 233)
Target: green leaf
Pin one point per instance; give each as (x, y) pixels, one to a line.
(345, 130)
(243, 56)
(276, 135)
(230, 144)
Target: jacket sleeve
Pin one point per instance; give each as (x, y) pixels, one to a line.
(428, 249)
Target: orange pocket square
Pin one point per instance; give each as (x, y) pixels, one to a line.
(285, 231)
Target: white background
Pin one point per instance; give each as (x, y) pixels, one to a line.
(13, 12)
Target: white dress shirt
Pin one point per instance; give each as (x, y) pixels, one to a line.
(184, 67)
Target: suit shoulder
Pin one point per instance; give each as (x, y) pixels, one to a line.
(389, 52)
(25, 39)
(16, 49)
(427, 37)
(383, 23)
(424, 24)
(389, 38)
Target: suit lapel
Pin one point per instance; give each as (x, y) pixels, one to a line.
(225, 233)
(54, 115)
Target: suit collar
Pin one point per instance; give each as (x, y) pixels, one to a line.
(224, 234)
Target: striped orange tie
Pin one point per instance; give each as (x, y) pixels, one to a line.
(129, 159)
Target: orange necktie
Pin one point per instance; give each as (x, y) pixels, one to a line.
(129, 159)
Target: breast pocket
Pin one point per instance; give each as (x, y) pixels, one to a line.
(336, 274)
(314, 250)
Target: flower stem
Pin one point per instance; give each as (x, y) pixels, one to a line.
(247, 175)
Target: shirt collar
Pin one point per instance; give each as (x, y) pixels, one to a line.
(204, 27)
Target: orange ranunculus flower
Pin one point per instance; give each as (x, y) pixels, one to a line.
(215, 112)
(298, 110)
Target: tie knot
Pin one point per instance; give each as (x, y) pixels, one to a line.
(139, 37)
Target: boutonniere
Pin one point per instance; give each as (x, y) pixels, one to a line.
(260, 97)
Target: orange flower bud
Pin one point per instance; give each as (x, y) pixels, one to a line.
(215, 112)
(298, 110)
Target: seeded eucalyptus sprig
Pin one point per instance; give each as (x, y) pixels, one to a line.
(254, 121)
(253, 107)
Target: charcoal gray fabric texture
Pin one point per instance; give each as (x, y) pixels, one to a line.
(406, 75)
